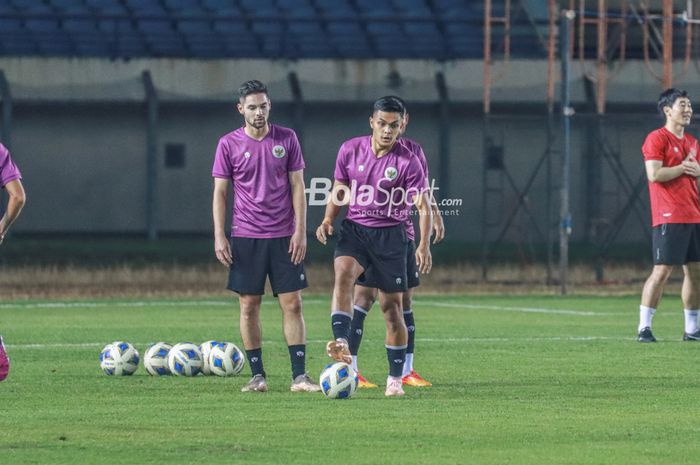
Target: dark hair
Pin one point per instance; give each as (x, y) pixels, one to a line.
(669, 97)
(251, 87)
(389, 104)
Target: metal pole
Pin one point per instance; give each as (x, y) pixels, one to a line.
(567, 112)
(602, 24)
(668, 44)
(298, 111)
(151, 156)
(487, 57)
(6, 110)
(444, 148)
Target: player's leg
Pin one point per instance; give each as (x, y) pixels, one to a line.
(4, 361)
(347, 269)
(251, 334)
(247, 276)
(396, 340)
(410, 377)
(364, 297)
(349, 263)
(690, 294)
(669, 248)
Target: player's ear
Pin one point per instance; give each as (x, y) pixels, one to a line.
(370, 122)
(240, 107)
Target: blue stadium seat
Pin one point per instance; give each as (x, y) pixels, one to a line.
(230, 26)
(421, 28)
(194, 26)
(105, 7)
(345, 28)
(305, 27)
(80, 25)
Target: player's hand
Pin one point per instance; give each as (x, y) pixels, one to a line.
(438, 229)
(424, 259)
(691, 166)
(222, 248)
(323, 231)
(297, 247)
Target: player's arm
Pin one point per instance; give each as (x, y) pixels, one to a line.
(424, 259)
(17, 199)
(297, 245)
(656, 172)
(332, 210)
(438, 223)
(222, 247)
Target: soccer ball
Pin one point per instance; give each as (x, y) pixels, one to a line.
(185, 359)
(226, 359)
(155, 360)
(119, 358)
(338, 381)
(205, 348)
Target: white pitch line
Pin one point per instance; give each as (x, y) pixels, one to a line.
(137, 304)
(556, 311)
(87, 345)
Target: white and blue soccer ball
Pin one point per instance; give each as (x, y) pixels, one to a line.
(205, 348)
(185, 359)
(338, 381)
(119, 358)
(226, 359)
(155, 359)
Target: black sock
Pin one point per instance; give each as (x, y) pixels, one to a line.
(396, 356)
(255, 361)
(340, 322)
(357, 329)
(411, 326)
(297, 354)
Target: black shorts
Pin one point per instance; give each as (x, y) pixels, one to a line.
(256, 259)
(381, 249)
(367, 278)
(676, 243)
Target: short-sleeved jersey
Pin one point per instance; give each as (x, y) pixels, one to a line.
(259, 171)
(417, 150)
(8, 170)
(674, 201)
(381, 189)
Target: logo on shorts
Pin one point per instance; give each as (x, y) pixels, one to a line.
(247, 155)
(398, 280)
(278, 151)
(416, 274)
(361, 168)
(390, 173)
(302, 277)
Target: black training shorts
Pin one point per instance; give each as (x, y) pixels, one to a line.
(367, 278)
(255, 259)
(381, 249)
(676, 243)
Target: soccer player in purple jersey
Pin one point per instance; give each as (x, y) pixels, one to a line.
(366, 290)
(264, 163)
(10, 180)
(379, 180)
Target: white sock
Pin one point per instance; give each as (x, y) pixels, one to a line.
(408, 364)
(646, 314)
(691, 320)
(354, 363)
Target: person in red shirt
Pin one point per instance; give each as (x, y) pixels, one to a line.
(670, 160)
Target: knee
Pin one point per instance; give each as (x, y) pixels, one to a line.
(365, 301)
(660, 275)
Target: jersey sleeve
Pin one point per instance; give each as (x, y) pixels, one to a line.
(8, 170)
(654, 147)
(423, 161)
(296, 159)
(416, 181)
(222, 161)
(341, 172)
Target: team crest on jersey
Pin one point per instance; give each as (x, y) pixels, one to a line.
(361, 168)
(278, 151)
(247, 154)
(391, 173)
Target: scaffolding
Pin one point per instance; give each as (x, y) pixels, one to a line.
(568, 24)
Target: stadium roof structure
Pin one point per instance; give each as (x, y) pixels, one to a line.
(270, 29)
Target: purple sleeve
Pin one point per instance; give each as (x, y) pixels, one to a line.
(296, 159)
(222, 162)
(8, 170)
(341, 172)
(423, 162)
(415, 177)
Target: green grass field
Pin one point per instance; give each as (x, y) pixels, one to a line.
(517, 380)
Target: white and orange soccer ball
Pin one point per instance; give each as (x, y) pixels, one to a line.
(119, 358)
(226, 359)
(338, 381)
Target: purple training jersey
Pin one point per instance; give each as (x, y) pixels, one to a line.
(8, 170)
(417, 150)
(259, 170)
(381, 189)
